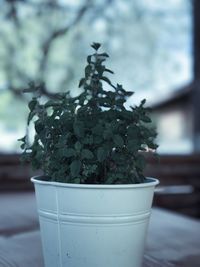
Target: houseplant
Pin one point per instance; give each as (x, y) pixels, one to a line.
(93, 199)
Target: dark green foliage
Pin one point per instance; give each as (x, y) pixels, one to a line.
(91, 138)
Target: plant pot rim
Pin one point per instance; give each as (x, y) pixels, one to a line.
(151, 182)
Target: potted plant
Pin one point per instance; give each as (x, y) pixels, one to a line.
(93, 199)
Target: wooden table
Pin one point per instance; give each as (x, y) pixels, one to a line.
(173, 240)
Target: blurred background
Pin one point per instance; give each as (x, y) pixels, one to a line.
(150, 48)
(154, 50)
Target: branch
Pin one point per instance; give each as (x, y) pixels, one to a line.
(12, 12)
(17, 92)
(60, 32)
(45, 92)
(40, 5)
(46, 47)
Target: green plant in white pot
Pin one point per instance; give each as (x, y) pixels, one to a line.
(93, 200)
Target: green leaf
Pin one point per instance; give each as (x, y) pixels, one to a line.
(89, 59)
(100, 69)
(110, 179)
(88, 140)
(75, 168)
(101, 154)
(103, 55)
(140, 162)
(143, 102)
(39, 126)
(89, 169)
(107, 134)
(32, 104)
(110, 71)
(88, 70)
(82, 81)
(51, 103)
(98, 140)
(79, 128)
(78, 146)
(96, 46)
(151, 144)
(133, 132)
(23, 139)
(98, 129)
(118, 140)
(86, 154)
(146, 119)
(105, 79)
(69, 152)
(76, 180)
(128, 93)
(30, 116)
(23, 146)
(133, 145)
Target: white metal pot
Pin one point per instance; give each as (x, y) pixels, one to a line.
(93, 225)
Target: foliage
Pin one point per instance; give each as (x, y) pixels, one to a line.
(91, 138)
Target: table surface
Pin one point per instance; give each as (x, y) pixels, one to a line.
(173, 240)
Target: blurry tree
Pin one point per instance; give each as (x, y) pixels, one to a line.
(47, 40)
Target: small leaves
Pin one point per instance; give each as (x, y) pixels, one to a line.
(30, 116)
(133, 132)
(76, 180)
(39, 126)
(118, 140)
(143, 102)
(69, 152)
(90, 169)
(132, 145)
(89, 59)
(32, 104)
(88, 70)
(23, 139)
(51, 103)
(103, 55)
(105, 79)
(140, 162)
(98, 129)
(75, 168)
(79, 128)
(110, 71)
(96, 46)
(100, 69)
(82, 81)
(78, 146)
(146, 119)
(107, 134)
(152, 145)
(101, 154)
(90, 138)
(86, 154)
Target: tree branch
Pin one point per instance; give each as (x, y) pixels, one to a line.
(46, 47)
(58, 33)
